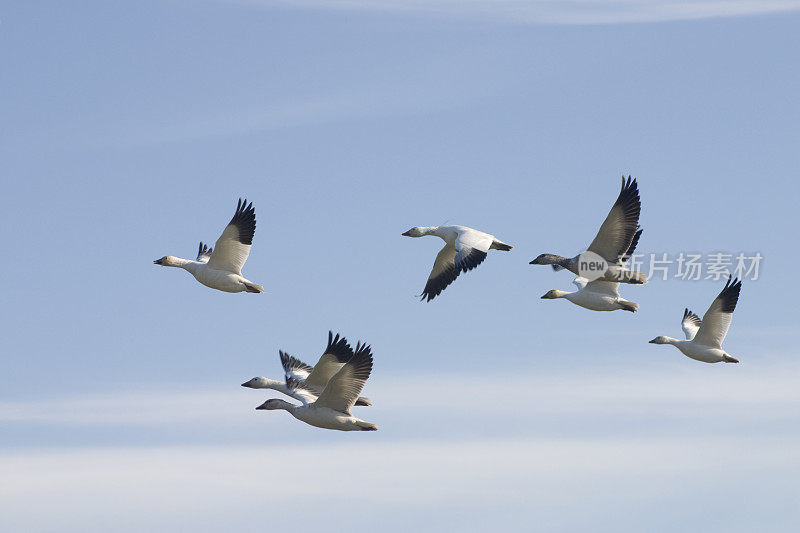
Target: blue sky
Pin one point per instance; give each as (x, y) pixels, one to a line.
(131, 129)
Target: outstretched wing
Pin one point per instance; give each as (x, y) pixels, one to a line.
(609, 288)
(293, 367)
(471, 249)
(690, 324)
(300, 390)
(616, 233)
(336, 354)
(204, 253)
(343, 389)
(444, 272)
(632, 248)
(233, 246)
(717, 319)
(467, 252)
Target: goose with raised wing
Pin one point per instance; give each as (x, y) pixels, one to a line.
(599, 295)
(221, 267)
(704, 337)
(331, 409)
(313, 378)
(465, 248)
(611, 242)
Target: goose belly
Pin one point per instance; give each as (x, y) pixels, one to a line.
(698, 352)
(593, 301)
(220, 280)
(326, 418)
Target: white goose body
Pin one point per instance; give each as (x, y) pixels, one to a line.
(331, 409)
(465, 248)
(221, 280)
(596, 297)
(221, 267)
(699, 352)
(704, 337)
(327, 418)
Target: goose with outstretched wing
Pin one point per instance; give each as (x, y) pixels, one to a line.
(331, 408)
(220, 267)
(704, 337)
(611, 242)
(464, 249)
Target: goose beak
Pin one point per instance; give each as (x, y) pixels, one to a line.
(651, 342)
(261, 408)
(246, 384)
(406, 234)
(157, 262)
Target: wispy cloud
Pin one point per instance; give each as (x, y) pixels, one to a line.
(362, 484)
(627, 447)
(555, 11)
(755, 392)
(359, 104)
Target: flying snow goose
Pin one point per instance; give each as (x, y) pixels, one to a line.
(331, 409)
(704, 337)
(313, 379)
(464, 250)
(613, 239)
(221, 267)
(599, 295)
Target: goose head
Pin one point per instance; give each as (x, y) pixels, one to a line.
(418, 231)
(660, 340)
(546, 259)
(256, 383)
(167, 261)
(552, 295)
(273, 404)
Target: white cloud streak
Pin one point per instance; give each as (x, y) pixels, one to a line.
(420, 477)
(363, 103)
(192, 487)
(554, 11)
(765, 393)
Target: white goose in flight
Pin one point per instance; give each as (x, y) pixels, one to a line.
(612, 240)
(599, 295)
(704, 337)
(331, 409)
(465, 249)
(221, 267)
(336, 354)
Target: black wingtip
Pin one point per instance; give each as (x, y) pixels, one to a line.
(730, 294)
(634, 243)
(362, 359)
(471, 260)
(435, 286)
(245, 220)
(339, 347)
